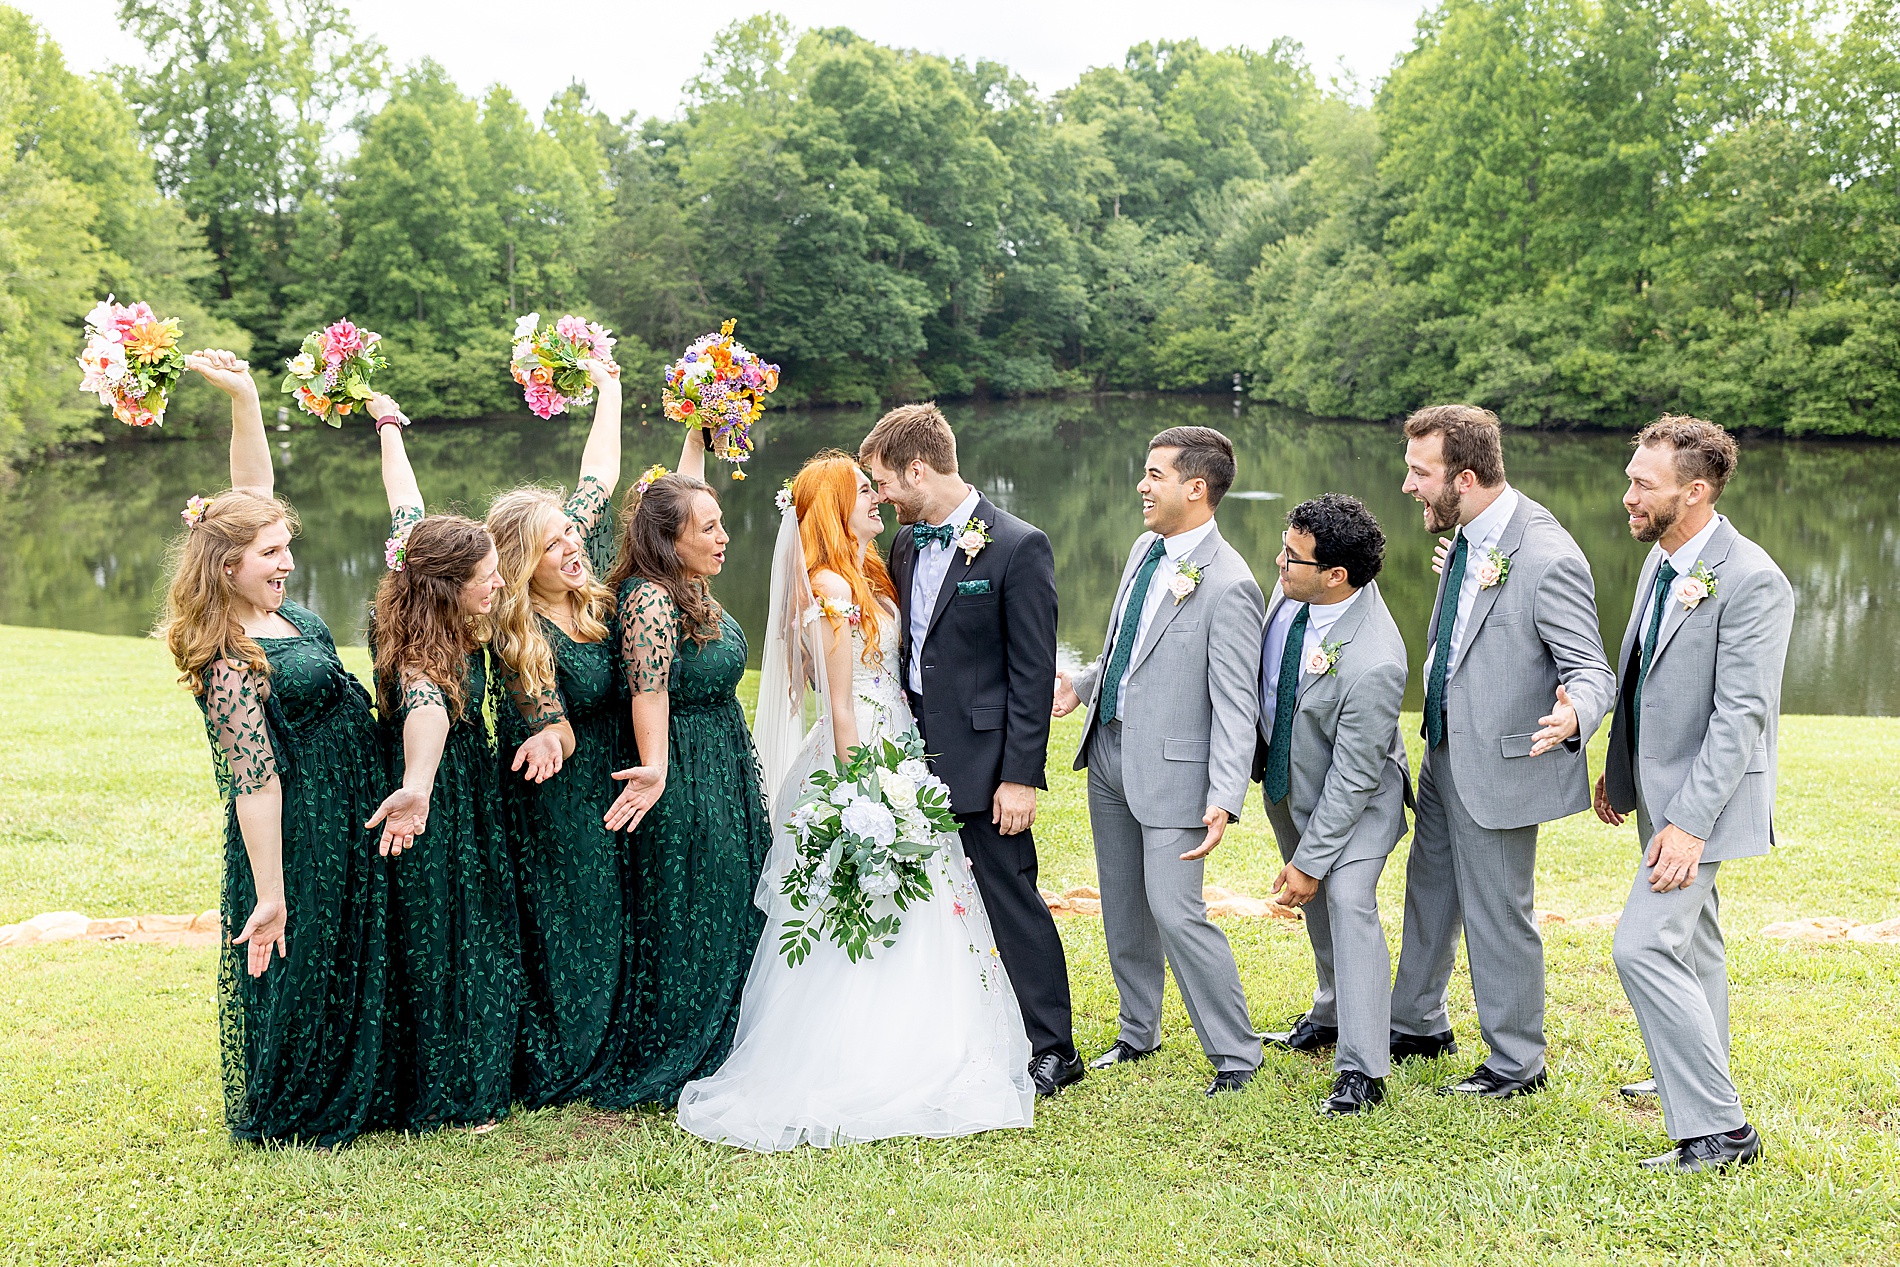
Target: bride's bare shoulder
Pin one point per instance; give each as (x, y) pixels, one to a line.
(826, 583)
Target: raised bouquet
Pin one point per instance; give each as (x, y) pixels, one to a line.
(330, 374)
(547, 361)
(132, 361)
(863, 831)
(720, 387)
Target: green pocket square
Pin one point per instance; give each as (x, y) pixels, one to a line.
(973, 587)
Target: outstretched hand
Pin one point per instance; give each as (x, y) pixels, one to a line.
(223, 370)
(1558, 727)
(263, 932)
(540, 755)
(404, 815)
(644, 784)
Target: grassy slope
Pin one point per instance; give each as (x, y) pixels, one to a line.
(111, 1147)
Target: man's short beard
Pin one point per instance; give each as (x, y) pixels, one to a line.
(1658, 522)
(907, 513)
(1441, 512)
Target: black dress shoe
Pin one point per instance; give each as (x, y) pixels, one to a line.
(1306, 1036)
(1122, 1054)
(1491, 1085)
(1422, 1046)
(1708, 1152)
(1229, 1080)
(1353, 1092)
(1052, 1073)
(1637, 1090)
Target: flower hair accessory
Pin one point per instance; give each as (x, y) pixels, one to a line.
(395, 550)
(648, 476)
(195, 507)
(783, 498)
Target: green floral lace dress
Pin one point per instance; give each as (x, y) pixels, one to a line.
(567, 864)
(303, 1042)
(455, 938)
(697, 854)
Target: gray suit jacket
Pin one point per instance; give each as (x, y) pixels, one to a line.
(1350, 781)
(1526, 634)
(1711, 704)
(1192, 704)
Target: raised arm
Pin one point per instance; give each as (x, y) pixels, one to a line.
(250, 451)
(399, 478)
(247, 774)
(600, 460)
(693, 454)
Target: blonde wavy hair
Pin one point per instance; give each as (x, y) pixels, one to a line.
(200, 623)
(520, 521)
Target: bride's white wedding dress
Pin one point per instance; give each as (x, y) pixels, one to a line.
(924, 1038)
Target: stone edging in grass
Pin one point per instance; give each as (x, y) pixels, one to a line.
(202, 929)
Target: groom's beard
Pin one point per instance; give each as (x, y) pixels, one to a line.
(906, 514)
(1660, 520)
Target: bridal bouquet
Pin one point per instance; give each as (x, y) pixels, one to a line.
(131, 362)
(720, 386)
(330, 374)
(863, 830)
(547, 362)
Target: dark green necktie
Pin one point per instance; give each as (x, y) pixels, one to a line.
(1441, 654)
(1130, 626)
(1279, 777)
(1665, 575)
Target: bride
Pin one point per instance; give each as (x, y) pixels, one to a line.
(923, 1038)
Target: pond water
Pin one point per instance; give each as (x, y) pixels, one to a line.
(83, 538)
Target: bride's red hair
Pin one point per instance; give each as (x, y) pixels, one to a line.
(824, 495)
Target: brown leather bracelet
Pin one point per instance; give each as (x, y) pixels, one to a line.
(397, 419)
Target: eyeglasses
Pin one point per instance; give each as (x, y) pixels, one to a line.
(1292, 558)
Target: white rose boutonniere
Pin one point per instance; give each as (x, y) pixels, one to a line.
(975, 535)
(1325, 659)
(1186, 579)
(1695, 587)
(1493, 568)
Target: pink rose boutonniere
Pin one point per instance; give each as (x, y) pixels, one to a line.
(1695, 587)
(1493, 568)
(1325, 659)
(975, 535)
(1186, 579)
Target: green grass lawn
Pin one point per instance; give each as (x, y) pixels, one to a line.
(112, 1149)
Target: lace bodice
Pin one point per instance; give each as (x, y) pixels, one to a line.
(877, 691)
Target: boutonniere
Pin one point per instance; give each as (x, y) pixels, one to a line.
(1186, 579)
(975, 535)
(1693, 588)
(1493, 568)
(1325, 658)
(835, 611)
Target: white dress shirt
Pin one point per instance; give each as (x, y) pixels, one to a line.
(1684, 561)
(1321, 618)
(1483, 533)
(926, 578)
(1178, 547)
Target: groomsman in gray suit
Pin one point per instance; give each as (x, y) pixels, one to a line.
(1332, 771)
(1692, 753)
(1515, 685)
(1167, 743)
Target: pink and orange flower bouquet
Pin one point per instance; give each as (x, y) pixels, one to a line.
(720, 387)
(330, 375)
(547, 361)
(132, 361)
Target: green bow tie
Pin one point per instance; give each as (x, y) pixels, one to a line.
(924, 534)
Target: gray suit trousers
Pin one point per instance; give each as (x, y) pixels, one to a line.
(1671, 958)
(1152, 910)
(1354, 968)
(1461, 874)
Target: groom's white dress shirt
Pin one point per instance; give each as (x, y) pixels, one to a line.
(1179, 546)
(926, 578)
(1483, 533)
(1684, 561)
(1320, 618)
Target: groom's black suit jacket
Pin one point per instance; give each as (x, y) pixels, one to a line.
(989, 660)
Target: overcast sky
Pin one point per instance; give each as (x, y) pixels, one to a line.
(636, 54)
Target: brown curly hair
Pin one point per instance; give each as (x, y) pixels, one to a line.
(650, 524)
(417, 624)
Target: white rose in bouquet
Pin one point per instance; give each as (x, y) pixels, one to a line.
(870, 821)
(898, 789)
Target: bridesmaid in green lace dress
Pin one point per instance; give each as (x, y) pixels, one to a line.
(301, 983)
(561, 730)
(455, 942)
(699, 825)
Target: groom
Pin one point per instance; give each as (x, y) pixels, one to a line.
(976, 591)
